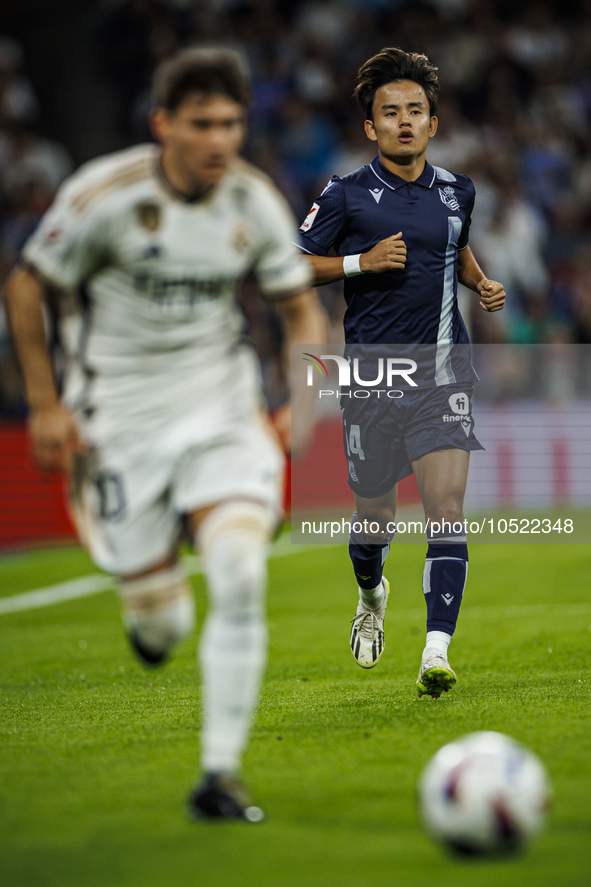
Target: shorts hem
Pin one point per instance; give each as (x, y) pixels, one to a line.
(272, 500)
(469, 447)
(136, 566)
(376, 492)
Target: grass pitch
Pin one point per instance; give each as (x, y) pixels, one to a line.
(98, 754)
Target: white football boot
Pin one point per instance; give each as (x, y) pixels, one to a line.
(367, 631)
(436, 676)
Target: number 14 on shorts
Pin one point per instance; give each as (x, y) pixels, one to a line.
(353, 441)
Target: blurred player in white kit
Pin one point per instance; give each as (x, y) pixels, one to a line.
(160, 421)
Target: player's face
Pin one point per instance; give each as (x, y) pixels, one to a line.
(402, 124)
(201, 138)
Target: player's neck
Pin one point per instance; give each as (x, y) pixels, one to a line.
(410, 171)
(178, 183)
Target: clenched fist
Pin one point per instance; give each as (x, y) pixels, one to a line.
(492, 295)
(55, 438)
(387, 255)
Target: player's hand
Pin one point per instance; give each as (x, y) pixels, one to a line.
(387, 255)
(492, 295)
(55, 438)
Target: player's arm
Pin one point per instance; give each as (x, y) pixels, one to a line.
(284, 278)
(387, 255)
(326, 224)
(303, 318)
(304, 322)
(64, 251)
(51, 426)
(470, 274)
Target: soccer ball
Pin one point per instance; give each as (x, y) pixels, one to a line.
(484, 794)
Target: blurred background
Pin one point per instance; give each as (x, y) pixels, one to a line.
(515, 115)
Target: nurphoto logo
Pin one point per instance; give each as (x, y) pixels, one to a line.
(386, 370)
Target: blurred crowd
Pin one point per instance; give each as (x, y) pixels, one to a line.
(515, 115)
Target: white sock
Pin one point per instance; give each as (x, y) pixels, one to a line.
(437, 643)
(373, 598)
(234, 543)
(160, 608)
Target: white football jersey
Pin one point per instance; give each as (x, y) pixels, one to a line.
(150, 280)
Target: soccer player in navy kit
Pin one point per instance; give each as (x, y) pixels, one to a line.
(399, 228)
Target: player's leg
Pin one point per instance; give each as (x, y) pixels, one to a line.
(376, 460)
(369, 544)
(158, 609)
(240, 472)
(233, 540)
(124, 517)
(441, 477)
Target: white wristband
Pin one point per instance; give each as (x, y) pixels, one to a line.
(351, 265)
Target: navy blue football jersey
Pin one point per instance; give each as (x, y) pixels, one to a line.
(417, 304)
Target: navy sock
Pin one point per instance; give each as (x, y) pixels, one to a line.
(444, 579)
(368, 558)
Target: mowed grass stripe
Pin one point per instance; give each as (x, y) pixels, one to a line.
(98, 582)
(98, 754)
(86, 586)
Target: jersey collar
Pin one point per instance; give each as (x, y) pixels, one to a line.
(425, 180)
(178, 195)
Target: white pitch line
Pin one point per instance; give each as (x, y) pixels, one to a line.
(53, 594)
(96, 582)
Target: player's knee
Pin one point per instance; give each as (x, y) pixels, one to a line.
(158, 608)
(449, 510)
(233, 540)
(375, 522)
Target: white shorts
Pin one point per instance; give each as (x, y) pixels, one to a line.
(129, 502)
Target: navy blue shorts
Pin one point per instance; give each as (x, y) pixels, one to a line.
(383, 436)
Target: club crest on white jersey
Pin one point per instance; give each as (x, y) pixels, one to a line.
(149, 214)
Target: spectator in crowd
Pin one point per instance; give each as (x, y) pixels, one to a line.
(515, 113)
(31, 169)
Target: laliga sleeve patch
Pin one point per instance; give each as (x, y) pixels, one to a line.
(309, 220)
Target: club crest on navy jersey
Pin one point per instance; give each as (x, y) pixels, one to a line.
(448, 196)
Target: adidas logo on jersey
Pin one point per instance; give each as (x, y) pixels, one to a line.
(376, 194)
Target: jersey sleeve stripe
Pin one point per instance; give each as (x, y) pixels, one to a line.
(303, 248)
(312, 248)
(121, 178)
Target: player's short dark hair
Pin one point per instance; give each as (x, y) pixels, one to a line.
(390, 65)
(206, 70)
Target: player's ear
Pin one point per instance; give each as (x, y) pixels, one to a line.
(370, 131)
(159, 121)
(433, 126)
